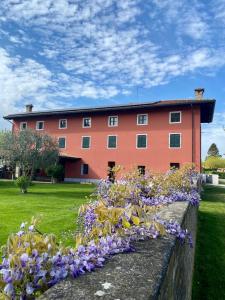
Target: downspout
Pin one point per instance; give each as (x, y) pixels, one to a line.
(192, 134)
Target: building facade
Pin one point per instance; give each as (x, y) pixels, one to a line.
(155, 135)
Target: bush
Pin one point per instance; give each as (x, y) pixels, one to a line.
(55, 172)
(23, 182)
(214, 163)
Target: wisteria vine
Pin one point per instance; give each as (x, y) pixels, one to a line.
(121, 212)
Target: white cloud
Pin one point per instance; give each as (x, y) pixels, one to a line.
(20, 80)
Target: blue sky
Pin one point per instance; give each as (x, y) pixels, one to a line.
(68, 53)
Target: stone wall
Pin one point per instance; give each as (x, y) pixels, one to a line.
(159, 269)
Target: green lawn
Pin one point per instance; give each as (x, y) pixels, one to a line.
(209, 276)
(57, 204)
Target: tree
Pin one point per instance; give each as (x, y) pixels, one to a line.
(28, 150)
(213, 162)
(213, 150)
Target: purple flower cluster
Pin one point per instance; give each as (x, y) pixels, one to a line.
(40, 270)
(191, 196)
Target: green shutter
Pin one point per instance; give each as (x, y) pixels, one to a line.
(112, 142)
(86, 142)
(175, 140)
(142, 141)
(62, 143)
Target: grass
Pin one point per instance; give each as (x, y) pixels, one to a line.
(209, 275)
(57, 204)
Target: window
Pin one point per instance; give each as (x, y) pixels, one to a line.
(86, 142)
(175, 117)
(141, 170)
(142, 119)
(113, 121)
(40, 125)
(141, 140)
(175, 140)
(174, 166)
(86, 122)
(84, 169)
(62, 143)
(23, 125)
(111, 170)
(63, 124)
(112, 141)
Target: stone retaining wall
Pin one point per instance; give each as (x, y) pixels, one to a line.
(159, 269)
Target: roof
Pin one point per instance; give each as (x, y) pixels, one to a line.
(207, 109)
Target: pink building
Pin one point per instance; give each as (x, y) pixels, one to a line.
(154, 135)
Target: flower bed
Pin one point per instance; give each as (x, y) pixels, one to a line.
(118, 214)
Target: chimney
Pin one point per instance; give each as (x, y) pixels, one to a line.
(29, 108)
(199, 93)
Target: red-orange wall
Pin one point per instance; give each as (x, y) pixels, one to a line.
(157, 156)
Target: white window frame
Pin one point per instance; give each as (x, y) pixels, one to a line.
(21, 129)
(108, 141)
(180, 140)
(38, 123)
(83, 136)
(171, 112)
(82, 169)
(66, 123)
(62, 137)
(109, 121)
(142, 115)
(83, 122)
(137, 141)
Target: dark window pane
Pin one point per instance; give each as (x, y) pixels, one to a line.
(87, 122)
(174, 140)
(174, 166)
(62, 123)
(175, 117)
(62, 142)
(112, 141)
(113, 121)
(84, 169)
(86, 142)
(141, 170)
(142, 119)
(142, 141)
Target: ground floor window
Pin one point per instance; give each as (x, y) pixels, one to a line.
(84, 169)
(174, 165)
(141, 170)
(111, 172)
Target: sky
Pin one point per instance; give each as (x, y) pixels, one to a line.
(76, 53)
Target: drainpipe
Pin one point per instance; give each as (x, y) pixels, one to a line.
(192, 134)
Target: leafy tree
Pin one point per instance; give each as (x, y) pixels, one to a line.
(28, 150)
(213, 162)
(213, 150)
(56, 172)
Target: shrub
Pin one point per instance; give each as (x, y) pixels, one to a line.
(23, 182)
(55, 172)
(214, 163)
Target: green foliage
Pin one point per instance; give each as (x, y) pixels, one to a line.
(23, 182)
(213, 162)
(55, 172)
(29, 150)
(213, 150)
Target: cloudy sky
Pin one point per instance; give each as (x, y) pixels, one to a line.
(70, 53)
